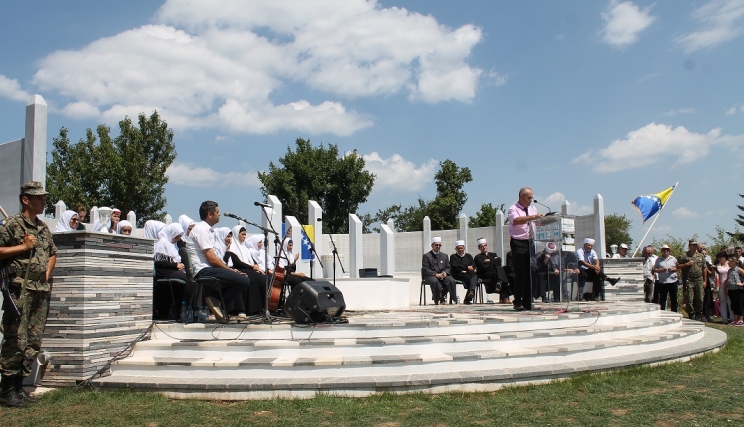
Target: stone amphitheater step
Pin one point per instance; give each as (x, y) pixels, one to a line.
(458, 348)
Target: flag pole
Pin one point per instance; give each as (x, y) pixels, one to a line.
(640, 245)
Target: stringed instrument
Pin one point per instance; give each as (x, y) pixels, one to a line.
(277, 285)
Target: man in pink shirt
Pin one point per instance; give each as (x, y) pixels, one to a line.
(522, 233)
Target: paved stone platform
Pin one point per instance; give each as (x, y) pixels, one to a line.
(430, 349)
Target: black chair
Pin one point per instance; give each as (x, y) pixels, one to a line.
(422, 293)
(168, 281)
(202, 282)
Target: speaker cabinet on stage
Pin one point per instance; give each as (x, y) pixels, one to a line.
(314, 302)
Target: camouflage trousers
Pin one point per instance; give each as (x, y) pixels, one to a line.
(648, 290)
(693, 293)
(22, 335)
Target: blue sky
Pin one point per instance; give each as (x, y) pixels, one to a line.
(572, 98)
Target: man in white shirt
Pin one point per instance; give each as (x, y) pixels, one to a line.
(649, 277)
(622, 252)
(237, 289)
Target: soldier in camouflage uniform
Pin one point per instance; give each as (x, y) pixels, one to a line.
(25, 243)
(694, 276)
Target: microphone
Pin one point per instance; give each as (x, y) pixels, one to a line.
(228, 214)
(261, 204)
(550, 211)
(320, 219)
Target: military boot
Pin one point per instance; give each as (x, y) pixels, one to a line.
(8, 396)
(21, 392)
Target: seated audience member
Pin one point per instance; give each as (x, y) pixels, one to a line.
(462, 267)
(187, 224)
(168, 265)
(124, 227)
(240, 257)
(589, 269)
(201, 250)
(82, 212)
(68, 221)
(489, 270)
(435, 270)
(288, 261)
(666, 267)
(222, 239)
(622, 252)
(114, 221)
(548, 267)
(151, 229)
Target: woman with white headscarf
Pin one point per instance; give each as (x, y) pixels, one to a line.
(187, 224)
(152, 228)
(168, 265)
(124, 227)
(239, 256)
(288, 261)
(68, 221)
(255, 245)
(222, 238)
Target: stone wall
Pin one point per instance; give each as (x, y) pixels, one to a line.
(101, 301)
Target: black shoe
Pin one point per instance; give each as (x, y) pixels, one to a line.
(20, 392)
(8, 395)
(519, 308)
(613, 281)
(469, 297)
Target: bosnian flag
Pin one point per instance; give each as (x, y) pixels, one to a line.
(648, 205)
(307, 253)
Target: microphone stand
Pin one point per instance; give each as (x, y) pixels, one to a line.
(335, 256)
(269, 281)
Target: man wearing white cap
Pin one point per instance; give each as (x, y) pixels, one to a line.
(622, 252)
(463, 269)
(589, 269)
(435, 270)
(489, 269)
(549, 272)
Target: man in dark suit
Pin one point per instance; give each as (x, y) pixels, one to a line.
(435, 270)
(463, 269)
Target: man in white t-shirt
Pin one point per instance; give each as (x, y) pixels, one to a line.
(240, 294)
(622, 252)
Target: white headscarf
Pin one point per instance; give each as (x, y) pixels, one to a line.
(165, 244)
(64, 222)
(121, 224)
(152, 228)
(185, 222)
(220, 234)
(240, 249)
(287, 255)
(98, 227)
(258, 255)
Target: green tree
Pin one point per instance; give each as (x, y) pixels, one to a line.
(738, 236)
(486, 216)
(127, 172)
(678, 245)
(722, 241)
(617, 231)
(339, 183)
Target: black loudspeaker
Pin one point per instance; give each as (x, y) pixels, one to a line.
(314, 302)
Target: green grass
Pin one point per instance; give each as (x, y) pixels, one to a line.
(706, 391)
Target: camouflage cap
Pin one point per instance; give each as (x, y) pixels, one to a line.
(33, 188)
(692, 242)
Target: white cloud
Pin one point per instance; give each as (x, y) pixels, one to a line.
(719, 22)
(495, 78)
(734, 108)
(555, 201)
(623, 22)
(656, 143)
(83, 110)
(398, 174)
(188, 175)
(683, 212)
(11, 89)
(220, 63)
(680, 111)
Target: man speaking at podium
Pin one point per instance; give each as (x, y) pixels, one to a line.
(522, 233)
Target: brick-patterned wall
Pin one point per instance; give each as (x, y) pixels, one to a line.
(101, 301)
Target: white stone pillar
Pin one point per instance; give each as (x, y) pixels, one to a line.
(391, 224)
(94, 215)
(498, 245)
(59, 207)
(566, 208)
(462, 231)
(132, 217)
(276, 219)
(35, 142)
(426, 236)
(303, 266)
(355, 246)
(387, 251)
(599, 227)
(315, 218)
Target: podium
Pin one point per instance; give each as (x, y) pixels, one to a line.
(554, 264)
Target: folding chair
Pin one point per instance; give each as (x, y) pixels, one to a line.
(203, 281)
